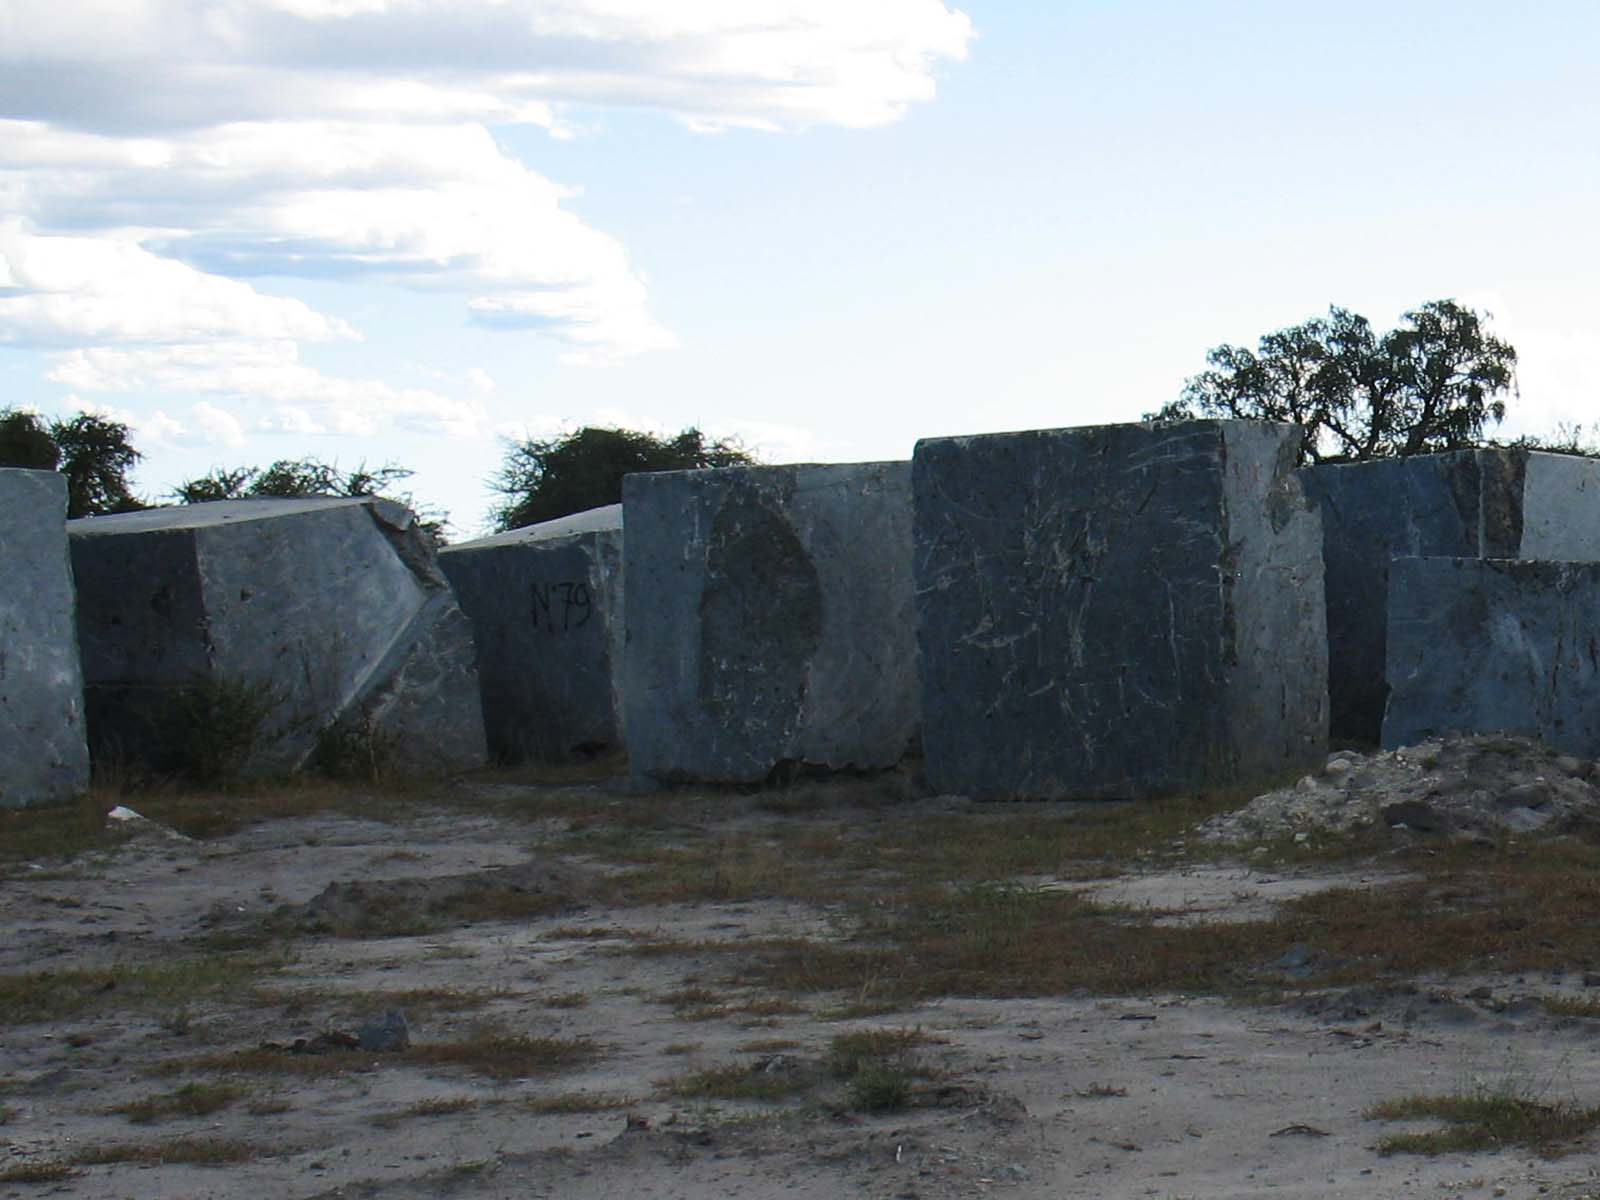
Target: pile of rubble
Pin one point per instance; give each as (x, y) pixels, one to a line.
(1478, 787)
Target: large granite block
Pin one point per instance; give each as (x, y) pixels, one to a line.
(546, 605)
(1496, 503)
(43, 753)
(334, 612)
(1494, 646)
(1117, 611)
(770, 620)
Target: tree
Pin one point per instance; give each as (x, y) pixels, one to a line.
(94, 454)
(1429, 385)
(542, 480)
(304, 477)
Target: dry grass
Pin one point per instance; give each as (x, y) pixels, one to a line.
(178, 1151)
(36, 1172)
(735, 1081)
(300, 1000)
(61, 995)
(190, 1100)
(488, 1052)
(578, 1102)
(1485, 1120)
(435, 1106)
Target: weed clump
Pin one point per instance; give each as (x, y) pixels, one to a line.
(214, 726)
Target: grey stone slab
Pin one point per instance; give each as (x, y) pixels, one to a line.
(333, 610)
(1495, 503)
(546, 604)
(769, 620)
(1494, 646)
(1116, 611)
(44, 756)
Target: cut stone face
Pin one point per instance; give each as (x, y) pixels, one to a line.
(43, 753)
(546, 605)
(1494, 646)
(1497, 503)
(770, 620)
(1116, 611)
(333, 612)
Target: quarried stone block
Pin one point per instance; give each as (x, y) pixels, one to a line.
(769, 620)
(1492, 503)
(546, 605)
(43, 753)
(1494, 646)
(332, 613)
(1116, 611)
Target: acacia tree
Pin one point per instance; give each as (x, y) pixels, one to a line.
(542, 480)
(1430, 384)
(92, 452)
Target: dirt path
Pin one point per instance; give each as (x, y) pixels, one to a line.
(1063, 1096)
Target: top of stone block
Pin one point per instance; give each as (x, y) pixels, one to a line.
(605, 519)
(1219, 423)
(205, 516)
(761, 471)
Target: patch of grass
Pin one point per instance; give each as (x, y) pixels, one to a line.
(54, 832)
(36, 1172)
(436, 1106)
(565, 1000)
(1101, 1091)
(190, 1100)
(504, 1056)
(878, 1066)
(66, 994)
(1484, 1120)
(8, 1114)
(1585, 1007)
(178, 1151)
(487, 1052)
(212, 726)
(681, 1047)
(735, 1081)
(769, 1046)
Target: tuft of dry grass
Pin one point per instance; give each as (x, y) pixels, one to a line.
(578, 1102)
(735, 1081)
(434, 1106)
(1485, 1120)
(36, 1172)
(504, 1056)
(178, 1151)
(190, 1100)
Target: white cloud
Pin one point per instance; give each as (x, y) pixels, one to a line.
(56, 290)
(267, 381)
(481, 380)
(154, 154)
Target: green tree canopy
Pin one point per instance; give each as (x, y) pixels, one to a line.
(93, 452)
(542, 480)
(1429, 385)
(303, 477)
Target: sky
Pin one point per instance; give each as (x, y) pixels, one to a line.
(405, 231)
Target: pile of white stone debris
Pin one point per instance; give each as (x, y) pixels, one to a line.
(1479, 787)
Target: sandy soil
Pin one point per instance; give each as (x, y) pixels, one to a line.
(1074, 1096)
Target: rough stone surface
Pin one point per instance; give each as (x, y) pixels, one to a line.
(1499, 503)
(770, 620)
(1465, 788)
(334, 611)
(546, 605)
(1494, 646)
(1116, 611)
(43, 753)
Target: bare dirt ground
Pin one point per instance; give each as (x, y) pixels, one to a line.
(617, 996)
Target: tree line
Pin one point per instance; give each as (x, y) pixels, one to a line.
(1430, 384)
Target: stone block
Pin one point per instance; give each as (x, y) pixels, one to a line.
(43, 753)
(1494, 503)
(546, 606)
(1117, 611)
(333, 612)
(1480, 645)
(770, 620)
